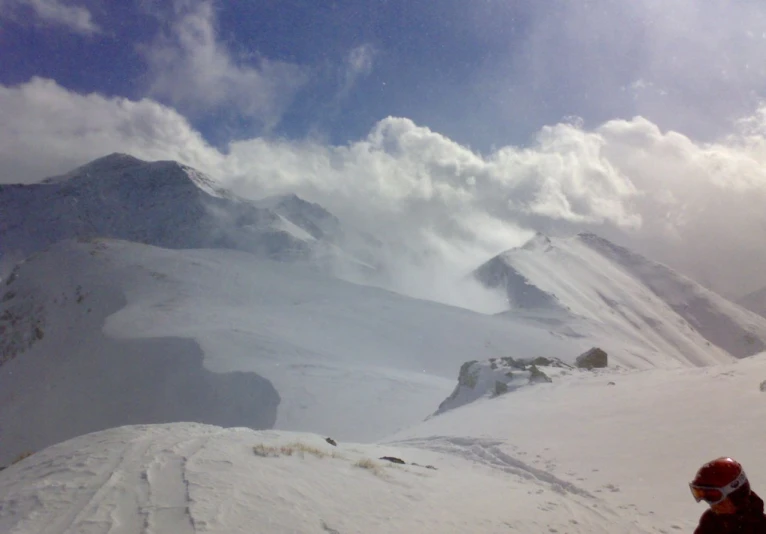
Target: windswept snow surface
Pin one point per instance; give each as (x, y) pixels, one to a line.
(755, 302)
(186, 478)
(576, 456)
(630, 439)
(587, 286)
(106, 333)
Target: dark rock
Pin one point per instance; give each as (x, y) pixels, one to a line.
(592, 359)
(536, 376)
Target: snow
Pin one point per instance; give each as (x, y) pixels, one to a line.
(315, 353)
(595, 289)
(633, 439)
(576, 455)
(755, 302)
(193, 478)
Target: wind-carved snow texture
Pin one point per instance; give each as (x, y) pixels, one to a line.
(720, 321)
(488, 452)
(148, 498)
(590, 285)
(195, 478)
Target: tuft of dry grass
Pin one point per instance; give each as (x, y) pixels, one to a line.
(366, 463)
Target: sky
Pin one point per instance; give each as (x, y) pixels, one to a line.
(476, 122)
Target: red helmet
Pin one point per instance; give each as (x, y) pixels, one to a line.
(718, 479)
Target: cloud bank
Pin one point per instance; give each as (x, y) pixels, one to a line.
(686, 65)
(54, 13)
(696, 206)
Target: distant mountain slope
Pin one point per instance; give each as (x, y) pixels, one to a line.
(588, 279)
(105, 333)
(162, 203)
(755, 302)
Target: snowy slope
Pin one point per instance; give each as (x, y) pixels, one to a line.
(592, 287)
(755, 302)
(575, 456)
(187, 478)
(633, 439)
(313, 218)
(161, 203)
(105, 333)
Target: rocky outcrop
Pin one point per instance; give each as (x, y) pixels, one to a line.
(595, 358)
(498, 376)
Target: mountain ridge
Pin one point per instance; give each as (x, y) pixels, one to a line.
(163, 203)
(588, 277)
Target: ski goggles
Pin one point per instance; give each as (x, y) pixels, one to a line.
(714, 495)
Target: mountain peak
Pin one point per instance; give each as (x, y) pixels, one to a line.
(310, 216)
(613, 287)
(537, 242)
(111, 162)
(116, 159)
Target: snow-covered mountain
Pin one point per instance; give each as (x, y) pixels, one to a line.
(165, 204)
(187, 324)
(103, 333)
(588, 286)
(755, 302)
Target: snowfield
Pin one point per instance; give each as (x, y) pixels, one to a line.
(577, 455)
(107, 333)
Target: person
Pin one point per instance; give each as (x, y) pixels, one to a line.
(734, 506)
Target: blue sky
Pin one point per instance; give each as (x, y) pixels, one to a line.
(458, 126)
(484, 73)
(418, 59)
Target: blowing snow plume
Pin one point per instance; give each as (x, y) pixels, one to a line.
(681, 202)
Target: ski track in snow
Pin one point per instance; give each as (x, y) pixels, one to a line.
(581, 505)
(488, 452)
(153, 500)
(169, 489)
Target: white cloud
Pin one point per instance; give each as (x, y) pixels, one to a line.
(696, 206)
(48, 129)
(191, 69)
(360, 60)
(687, 65)
(57, 13)
(359, 63)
